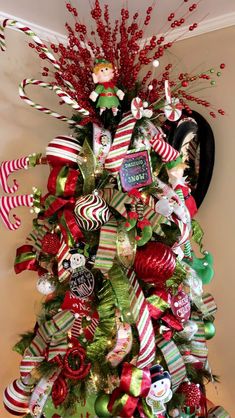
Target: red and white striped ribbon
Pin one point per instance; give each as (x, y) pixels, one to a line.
(120, 144)
(162, 148)
(11, 202)
(8, 167)
(144, 324)
(62, 95)
(63, 254)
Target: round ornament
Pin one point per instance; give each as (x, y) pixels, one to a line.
(91, 212)
(180, 306)
(45, 285)
(137, 108)
(192, 394)
(16, 398)
(63, 150)
(82, 282)
(101, 406)
(155, 263)
(209, 329)
(50, 243)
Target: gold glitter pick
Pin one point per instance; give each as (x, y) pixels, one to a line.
(126, 245)
(87, 168)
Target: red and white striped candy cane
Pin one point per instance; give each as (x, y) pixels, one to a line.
(8, 167)
(11, 202)
(27, 31)
(140, 312)
(162, 148)
(63, 95)
(120, 144)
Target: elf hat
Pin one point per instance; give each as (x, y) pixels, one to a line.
(157, 373)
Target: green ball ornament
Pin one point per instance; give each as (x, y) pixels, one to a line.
(209, 330)
(101, 406)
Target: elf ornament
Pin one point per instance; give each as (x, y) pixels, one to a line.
(160, 391)
(108, 93)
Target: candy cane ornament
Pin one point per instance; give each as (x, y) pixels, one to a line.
(62, 95)
(9, 167)
(27, 31)
(11, 202)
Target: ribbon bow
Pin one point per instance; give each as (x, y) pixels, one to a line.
(134, 384)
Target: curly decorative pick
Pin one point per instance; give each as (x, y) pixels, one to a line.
(10, 202)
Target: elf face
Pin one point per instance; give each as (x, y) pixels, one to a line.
(160, 389)
(104, 74)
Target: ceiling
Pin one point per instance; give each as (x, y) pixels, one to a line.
(49, 16)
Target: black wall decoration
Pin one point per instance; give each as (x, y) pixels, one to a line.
(193, 137)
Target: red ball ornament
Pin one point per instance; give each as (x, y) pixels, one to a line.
(16, 398)
(50, 243)
(192, 394)
(155, 263)
(184, 83)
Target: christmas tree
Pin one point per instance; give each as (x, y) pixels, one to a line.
(122, 330)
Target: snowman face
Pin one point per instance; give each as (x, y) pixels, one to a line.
(160, 390)
(77, 260)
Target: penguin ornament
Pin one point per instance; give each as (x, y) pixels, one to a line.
(160, 391)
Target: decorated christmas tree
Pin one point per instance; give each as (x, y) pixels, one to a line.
(114, 244)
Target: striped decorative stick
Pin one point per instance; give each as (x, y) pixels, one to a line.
(27, 31)
(10, 202)
(8, 167)
(63, 95)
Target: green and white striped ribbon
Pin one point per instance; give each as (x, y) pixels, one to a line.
(199, 348)
(107, 247)
(175, 362)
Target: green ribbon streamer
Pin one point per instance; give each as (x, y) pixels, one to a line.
(88, 168)
(121, 288)
(197, 234)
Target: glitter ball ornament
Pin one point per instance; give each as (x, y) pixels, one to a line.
(192, 394)
(63, 150)
(50, 243)
(16, 398)
(209, 330)
(45, 285)
(91, 212)
(101, 406)
(155, 263)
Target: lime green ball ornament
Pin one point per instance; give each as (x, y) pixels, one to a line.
(209, 330)
(101, 406)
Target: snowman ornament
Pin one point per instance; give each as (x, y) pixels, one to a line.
(160, 391)
(82, 280)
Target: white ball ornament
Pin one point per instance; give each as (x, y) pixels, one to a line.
(156, 63)
(150, 87)
(45, 285)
